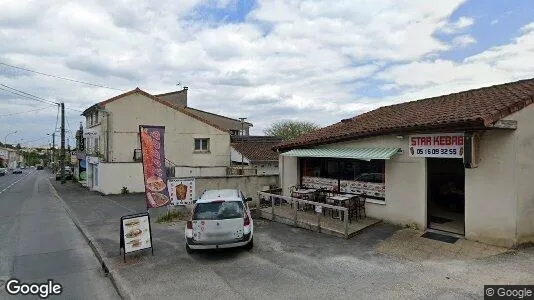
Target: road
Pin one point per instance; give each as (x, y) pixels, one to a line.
(38, 241)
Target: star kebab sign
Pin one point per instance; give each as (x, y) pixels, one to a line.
(444, 145)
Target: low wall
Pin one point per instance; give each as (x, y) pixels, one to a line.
(182, 171)
(249, 185)
(113, 176)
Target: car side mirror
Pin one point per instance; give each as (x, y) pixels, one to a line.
(248, 199)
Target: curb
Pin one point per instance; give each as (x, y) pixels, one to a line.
(116, 279)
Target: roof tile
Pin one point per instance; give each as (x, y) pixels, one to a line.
(476, 108)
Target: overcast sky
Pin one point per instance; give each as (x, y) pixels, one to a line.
(319, 61)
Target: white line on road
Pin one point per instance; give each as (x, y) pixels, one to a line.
(12, 184)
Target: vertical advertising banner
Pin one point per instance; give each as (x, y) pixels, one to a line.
(155, 176)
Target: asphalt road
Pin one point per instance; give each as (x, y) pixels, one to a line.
(38, 241)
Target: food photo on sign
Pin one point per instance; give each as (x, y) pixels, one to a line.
(135, 233)
(181, 191)
(155, 177)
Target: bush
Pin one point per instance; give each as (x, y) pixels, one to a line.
(124, 190)
(172, 215)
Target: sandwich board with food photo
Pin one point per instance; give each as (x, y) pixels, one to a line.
(135, 233)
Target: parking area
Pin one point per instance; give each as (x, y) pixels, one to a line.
(287, 262)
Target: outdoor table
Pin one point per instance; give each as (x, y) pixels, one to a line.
(306, 194)
(342, 200)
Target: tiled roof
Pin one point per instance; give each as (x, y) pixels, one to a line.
(256, 148)
(222, 121)
(473, 109)
(139, 91)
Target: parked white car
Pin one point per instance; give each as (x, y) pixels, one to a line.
(220, 219)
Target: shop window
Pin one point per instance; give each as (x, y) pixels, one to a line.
(345, 175)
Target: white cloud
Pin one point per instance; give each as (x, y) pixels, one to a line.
(528, 28)
(496, 65)
(288, 60)
(454, 27)
(463, 40)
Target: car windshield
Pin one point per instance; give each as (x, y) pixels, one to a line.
(218, 210)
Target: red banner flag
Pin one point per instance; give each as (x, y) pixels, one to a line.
(155, 176)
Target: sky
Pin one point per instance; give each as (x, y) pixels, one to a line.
(312, 60)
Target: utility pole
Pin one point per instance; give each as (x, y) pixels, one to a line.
(62, 155)
(53, 149)
(242, 156)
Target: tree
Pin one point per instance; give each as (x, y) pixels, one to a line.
(288, 130)
(18, 146)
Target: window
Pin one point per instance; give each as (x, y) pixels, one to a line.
(234, 132)
(218, 210)
(96, 117)
(202, 145)
(91, 120)
(96, 144)
(346, 175)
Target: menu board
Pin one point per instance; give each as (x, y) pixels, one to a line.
(181, 190)
(154, 173)
(135, 232)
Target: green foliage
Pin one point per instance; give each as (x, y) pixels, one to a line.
(125, 190)
(288, 130)
(172, 215)
(33, 158)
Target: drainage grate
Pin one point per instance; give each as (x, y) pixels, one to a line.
(440, 237)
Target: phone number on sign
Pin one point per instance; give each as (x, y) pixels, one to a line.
(438, 151)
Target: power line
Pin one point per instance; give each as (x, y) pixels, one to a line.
(24, 112)
(33, 97)
(60, 77)
(26, 95)
(74, 109)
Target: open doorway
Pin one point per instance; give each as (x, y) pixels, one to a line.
(445, 194)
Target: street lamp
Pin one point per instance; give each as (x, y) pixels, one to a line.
(242, 133)
(5, 138)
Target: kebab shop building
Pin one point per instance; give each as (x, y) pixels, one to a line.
(461, 163)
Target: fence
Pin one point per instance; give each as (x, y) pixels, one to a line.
(270, 200)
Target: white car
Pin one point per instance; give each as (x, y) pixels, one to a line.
(220, 219)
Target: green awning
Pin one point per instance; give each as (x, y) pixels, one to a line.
(354, 153)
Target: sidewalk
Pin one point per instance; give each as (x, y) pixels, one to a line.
(100, 216)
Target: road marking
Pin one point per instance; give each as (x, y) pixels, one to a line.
(13, 183)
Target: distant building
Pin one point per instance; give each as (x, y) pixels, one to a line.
(256, 152)
(10, 158)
